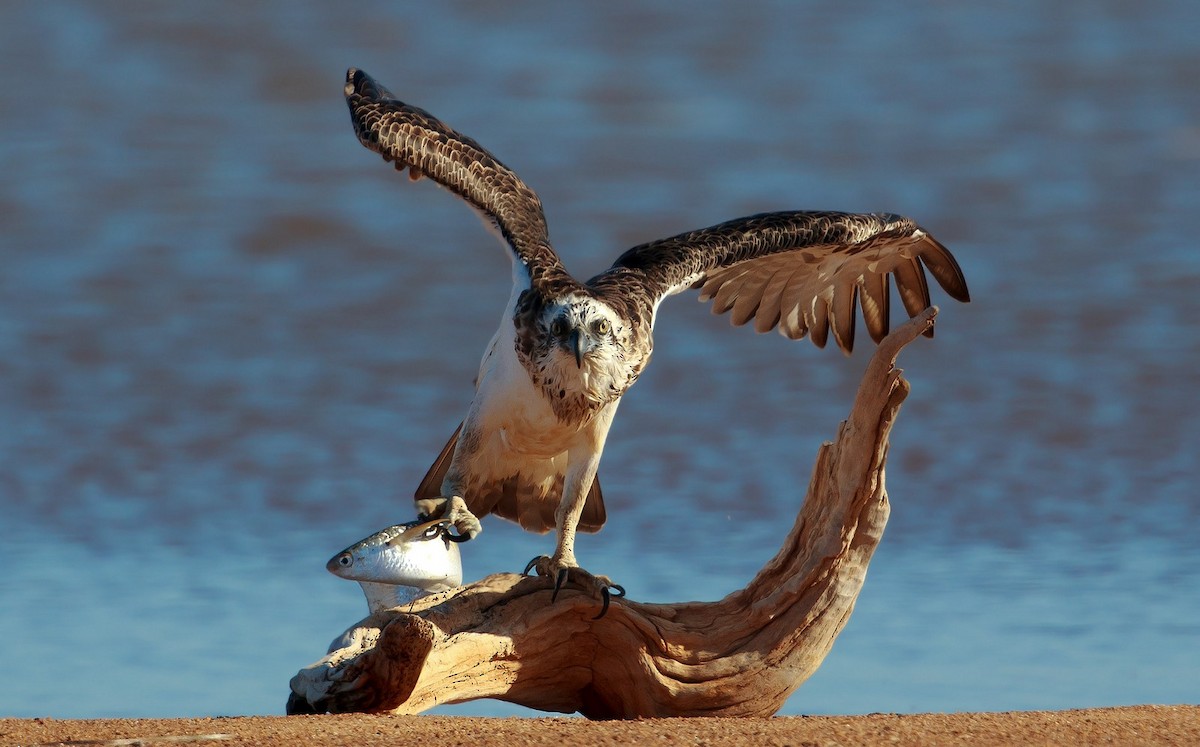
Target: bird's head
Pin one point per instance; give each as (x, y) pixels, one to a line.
(585, 342)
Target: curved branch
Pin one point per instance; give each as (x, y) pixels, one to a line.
(741, 656)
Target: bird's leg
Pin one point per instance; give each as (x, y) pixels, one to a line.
(453, 509)
(562, 566)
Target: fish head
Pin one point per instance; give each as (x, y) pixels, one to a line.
(416, 554)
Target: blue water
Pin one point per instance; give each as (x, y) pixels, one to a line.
(231, 340)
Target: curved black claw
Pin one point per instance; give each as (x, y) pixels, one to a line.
(559, 580)
(607, 590)
(451, 512)
(605, 595)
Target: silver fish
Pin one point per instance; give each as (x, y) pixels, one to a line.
(402, 563)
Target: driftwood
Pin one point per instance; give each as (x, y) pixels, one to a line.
(500, 637)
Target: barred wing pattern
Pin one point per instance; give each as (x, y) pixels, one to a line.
(412, 138)
(802, 272)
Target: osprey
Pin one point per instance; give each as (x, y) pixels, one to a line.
(553, 375)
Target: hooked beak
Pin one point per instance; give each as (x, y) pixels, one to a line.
(576, 341)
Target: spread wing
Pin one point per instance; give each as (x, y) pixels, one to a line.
(800, 272)
(412, 138)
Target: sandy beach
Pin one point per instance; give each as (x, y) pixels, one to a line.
(1135, 725)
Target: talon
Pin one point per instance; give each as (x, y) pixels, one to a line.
(559, 580)
(455, 537)
(604, 595)
(451, 511)
(599, 586)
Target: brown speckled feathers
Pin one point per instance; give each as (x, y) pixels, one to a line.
(801, 272)
(412, 138)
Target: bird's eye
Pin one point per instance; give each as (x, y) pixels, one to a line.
(558, 327)
(602, 326)
(345, 560)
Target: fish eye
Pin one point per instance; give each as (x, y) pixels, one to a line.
(602, 326)
(345, 560)
(433, 531)
(558, 327)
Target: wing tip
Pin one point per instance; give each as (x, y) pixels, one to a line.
(354, 80)
(359, 83)
(944, 268)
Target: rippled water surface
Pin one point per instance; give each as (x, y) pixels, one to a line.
(232, 341)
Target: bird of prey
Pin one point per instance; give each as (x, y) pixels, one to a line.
(566, 351)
